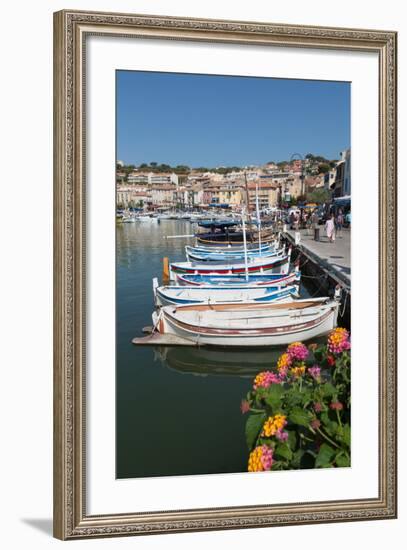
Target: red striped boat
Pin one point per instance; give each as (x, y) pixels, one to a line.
(273, 264)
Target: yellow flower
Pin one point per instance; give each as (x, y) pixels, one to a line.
(273, 424)
(260, 459)
(299, 370)
(284, 361)
(255, 464)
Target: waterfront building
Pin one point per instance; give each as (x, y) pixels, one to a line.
(165, 195)
(152, 178)
(341, 187)
(128, 195)
(329, 179)
(314, 182)
(227, 194)
(138, 178)
(266, 192)
(163, 178)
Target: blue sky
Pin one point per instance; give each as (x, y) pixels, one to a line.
(203, 120)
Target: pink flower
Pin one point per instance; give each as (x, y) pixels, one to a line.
(267, 457)
(282, 435)
(318, 407)
(315, 372)
(338, 340)
(244, 406)
(298, 351)
(315, 424)
(265, 379)
(283, 363)
(336, 406)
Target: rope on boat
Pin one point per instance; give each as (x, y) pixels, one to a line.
(344, 304)
(320, 286)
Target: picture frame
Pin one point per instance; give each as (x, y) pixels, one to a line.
(72, 29)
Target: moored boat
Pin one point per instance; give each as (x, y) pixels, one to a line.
(249, 325)
(257, 279)
(277, 263)
(177, 295)
(146, 218)
(252, 247)
(228, 256)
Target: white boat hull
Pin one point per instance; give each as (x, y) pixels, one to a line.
(178, 295)
(224, 328)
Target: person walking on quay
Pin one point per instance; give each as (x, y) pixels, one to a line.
(330, 228)
(339, 223)
(314, 218)
(309, 223)
(313, 223)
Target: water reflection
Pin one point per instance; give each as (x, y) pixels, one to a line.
(216, 362)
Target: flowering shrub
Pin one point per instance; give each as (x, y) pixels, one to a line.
(299, 411)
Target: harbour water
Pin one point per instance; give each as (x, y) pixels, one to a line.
(177, 409)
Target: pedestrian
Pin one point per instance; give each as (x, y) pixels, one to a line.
(314, 219)
(330, 228)
(296, 221)
(309, 224)
(339, 223)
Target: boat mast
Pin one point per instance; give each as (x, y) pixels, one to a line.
(248, 204)
(245, 245)
(258, 216)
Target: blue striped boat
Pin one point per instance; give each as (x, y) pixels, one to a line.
(178, 295)
(257, 279)
(228, 256)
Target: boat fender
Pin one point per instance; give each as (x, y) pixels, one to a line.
(338, 293)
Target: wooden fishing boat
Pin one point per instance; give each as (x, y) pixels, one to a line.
(228, 256)
(248, 325)
(277, 263)
(257, 279)
(236, 249)
(177, 295)
(234, 238)
(226, 232)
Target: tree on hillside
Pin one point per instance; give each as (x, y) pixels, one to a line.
(319, 196)
(182, 169)
(323, 168)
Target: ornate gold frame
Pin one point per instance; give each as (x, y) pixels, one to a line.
(70, 31)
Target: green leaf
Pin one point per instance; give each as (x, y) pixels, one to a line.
(296, 460)
(273, 399)
(346, 434)
(328, 389)
(341, 460)
(253, 426)
(292, 439)
(300, 417)
(283, 450)
(325, 456)
(306, 397)
(330, 426)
